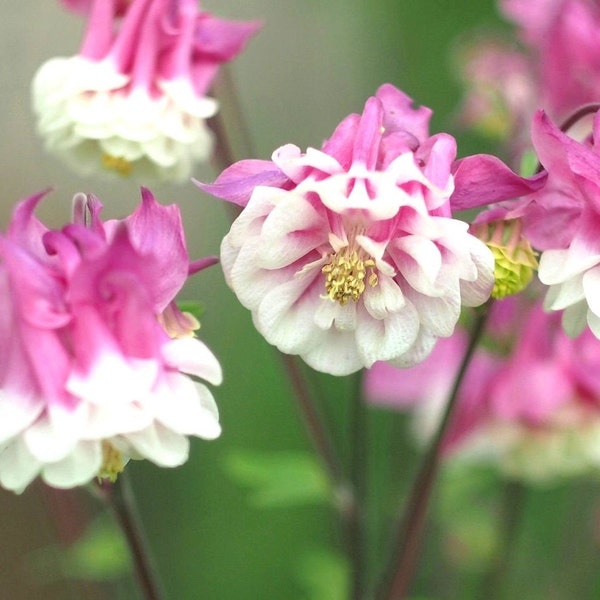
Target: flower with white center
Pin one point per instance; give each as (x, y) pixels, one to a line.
(349, 254)
(133, 102)
(95, 356)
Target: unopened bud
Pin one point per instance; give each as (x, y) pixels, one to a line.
(514, 258)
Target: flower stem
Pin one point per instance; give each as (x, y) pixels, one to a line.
(119, 497)
(233, 139)
(397, 578)
(319, 435)
(358, 470)
(508, 527)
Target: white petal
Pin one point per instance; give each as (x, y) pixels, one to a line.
(192, 356)
(591, 287)
(114, 380)
(55, 434)
(336, 354)
(17, 412)
(419, 351)
(565, 294)
(285, 315)
(574, 319)
(422, 264)
(187, 408)
(18, 468)
(79, 467)
(593, 322)
(291, 231)
(161, 445)
(384, 298)
(388, 338)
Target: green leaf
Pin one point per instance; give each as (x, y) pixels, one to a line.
(100, 554)
(279, 479)
(324, 575)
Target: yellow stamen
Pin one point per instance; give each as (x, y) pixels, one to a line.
(116, 163)
(112, 462)
(346, 273)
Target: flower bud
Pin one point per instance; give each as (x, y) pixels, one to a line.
(514, 258)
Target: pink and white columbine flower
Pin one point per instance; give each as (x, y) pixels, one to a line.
(134, 100)
(562, 220)
(349, 254)
(535, 412)
(94, 352)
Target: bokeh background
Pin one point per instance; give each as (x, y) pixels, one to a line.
(215, 536)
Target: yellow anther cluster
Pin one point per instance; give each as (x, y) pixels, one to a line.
(116, 163)
(346, 274)
(112, 462)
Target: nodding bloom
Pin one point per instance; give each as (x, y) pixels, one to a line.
(562, 220)
(95, 356)
(534, 412)
(349, 254)
(134, 100)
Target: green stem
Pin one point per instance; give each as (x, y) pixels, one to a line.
(319, 435)
(397, 578)
(119, 497)
(358, 469)
(513, 502)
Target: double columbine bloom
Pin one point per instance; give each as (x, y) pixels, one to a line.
(349, 254)
(94, 352)
(134, 100)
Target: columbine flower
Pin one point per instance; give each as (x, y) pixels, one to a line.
(563, 221)
(349, 254)
(89, 376)
(534, 412)
(133, 102)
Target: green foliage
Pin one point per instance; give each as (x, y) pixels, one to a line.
(324, 575)
(467, 512)
(279, 479)
(101, 553)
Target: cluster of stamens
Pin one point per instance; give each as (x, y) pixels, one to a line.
(112, 462)
(347, 275)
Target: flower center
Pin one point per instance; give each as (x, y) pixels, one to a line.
(347, 275)
(116, 163)
(112, 462)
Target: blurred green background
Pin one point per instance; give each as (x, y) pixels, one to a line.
(213, 534)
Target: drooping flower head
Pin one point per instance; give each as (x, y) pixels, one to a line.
(530, 401)
(349, 254)
(134, 100)
(562, 221)
(93, 350)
